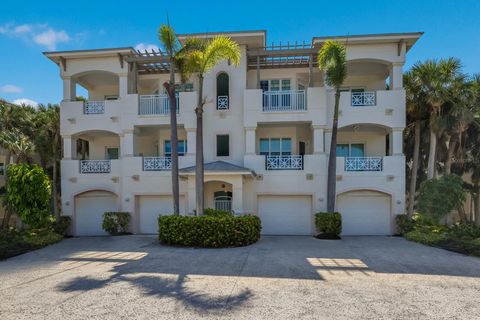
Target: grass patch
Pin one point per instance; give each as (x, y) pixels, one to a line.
(14, 243)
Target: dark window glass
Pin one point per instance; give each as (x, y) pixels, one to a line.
(182, 148)
(223, 145)
(342, 150)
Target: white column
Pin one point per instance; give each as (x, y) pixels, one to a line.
(191, 194)
(237, 195)
(396, 140)
(318, 140)
(122, 85)
(328, 140)
(396, 76)
(67, 148)
(250, 140)
(69, 89)
(191, 141)
(127, 144)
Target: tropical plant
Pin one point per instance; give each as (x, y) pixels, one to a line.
(199, 57)
(332, 59)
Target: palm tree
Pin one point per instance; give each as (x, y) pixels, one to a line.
(436, 79)
(170, 43)
(200, 57)
(332, 59)
(417, 113)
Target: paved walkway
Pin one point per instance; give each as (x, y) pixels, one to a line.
(134, 277)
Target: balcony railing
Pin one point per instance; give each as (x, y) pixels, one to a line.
(222, 103)
(291, 100)
(223, 204)
(364, 99)
(157, 104)
(284, 162)
(94, 107)
(363, 164)
(95, 166)
(157, 163)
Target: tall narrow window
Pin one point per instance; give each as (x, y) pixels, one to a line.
(223, 145)
(222, 91)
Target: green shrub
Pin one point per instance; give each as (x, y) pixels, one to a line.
(329, 223)
(116, 223)
(438, 197)
(28, 194)
(404, 224)
(428, 238)
(61, 226)
(467, 231)
(13, 242)
(40, 238)
(216, 213)
(209, 231)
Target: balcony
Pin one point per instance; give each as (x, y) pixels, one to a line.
(94, 107)
(157, 163)
(363, 164)
(157, 104)
(363, 99)
(284, 162)
(223, 204)
(281, 101)
(95, 166)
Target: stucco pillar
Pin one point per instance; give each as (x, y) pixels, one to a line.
(328, 140)
(67, 148)
(250, 140)
(69, 89)
(127, 144)
(237, 196)
(396, 142)
(396, 76)
(318, 140)
(191, 194)
(191, 141)
(122, 85)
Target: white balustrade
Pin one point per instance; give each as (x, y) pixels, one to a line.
(363, 164)
(290, 100)
(94, 107)
(157, 163)
(284, 162)
(223, 204)
(156, 104)
(363, 99)
(95, 166)
(222, 103)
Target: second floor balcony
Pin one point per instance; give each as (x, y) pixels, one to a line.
(284, 162)
(156, 104)
(363, 163)
(95, 166)
(289, 100)
(159, 163)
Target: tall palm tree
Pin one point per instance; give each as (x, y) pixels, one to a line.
(200, 57)
(436, 79)
(332, 59)
(171, 45)
(417, 114)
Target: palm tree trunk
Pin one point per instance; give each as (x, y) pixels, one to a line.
(54, 189)
(6, 217)
(414, 173)
(476, 206)
(431, 154)
(199, 172)
(332, 160)
(452, 144)
(174, 140)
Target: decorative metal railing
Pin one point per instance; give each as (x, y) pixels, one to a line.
(222, 103)
(224, 205)
(156, 104)
(284, 162)
(95, 166)
(290, 100)
(94, 107)
(363, 99)
(363, 164)
(157, 163)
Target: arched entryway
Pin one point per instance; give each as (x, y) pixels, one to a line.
(218, 195)
(89, 209)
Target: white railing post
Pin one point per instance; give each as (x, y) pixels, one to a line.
(363, 164)
(94, 107)
(95, 166)
(156, 104)
(157, 163)
(288, 100)
(364, 99)
(284, 162)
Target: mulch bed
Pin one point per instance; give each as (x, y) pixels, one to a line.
(327, 236)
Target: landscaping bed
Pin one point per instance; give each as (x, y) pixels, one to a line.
(212, 230)
(14, 243)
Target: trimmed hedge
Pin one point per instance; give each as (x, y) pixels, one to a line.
(329, 223)
(13, 242)
(116, 223)
(209, 231)
(216, 213)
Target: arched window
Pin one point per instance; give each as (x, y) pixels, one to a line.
(222, 91)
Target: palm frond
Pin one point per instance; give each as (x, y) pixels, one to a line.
(218, 49)
(168, 38)
(332, 58)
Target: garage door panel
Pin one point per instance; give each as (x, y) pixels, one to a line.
(89, 210)
(150, 207)
(365, 213)
(285, 215)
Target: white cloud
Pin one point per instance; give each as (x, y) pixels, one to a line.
(146, 46)
(10, 88)
(25, 101)
(40, 34)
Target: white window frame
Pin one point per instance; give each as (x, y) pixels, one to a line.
(112, 147)
(270, 145)
(269, 81)
(180, 154)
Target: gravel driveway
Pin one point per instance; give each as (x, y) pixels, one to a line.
(134, 277)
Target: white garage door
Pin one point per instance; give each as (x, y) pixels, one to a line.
(150, 207)
(364, 213)
(285, 215)
(89, 210)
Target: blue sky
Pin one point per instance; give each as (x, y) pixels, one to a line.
(27, 28)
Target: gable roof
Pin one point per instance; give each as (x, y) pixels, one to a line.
(220, 167)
